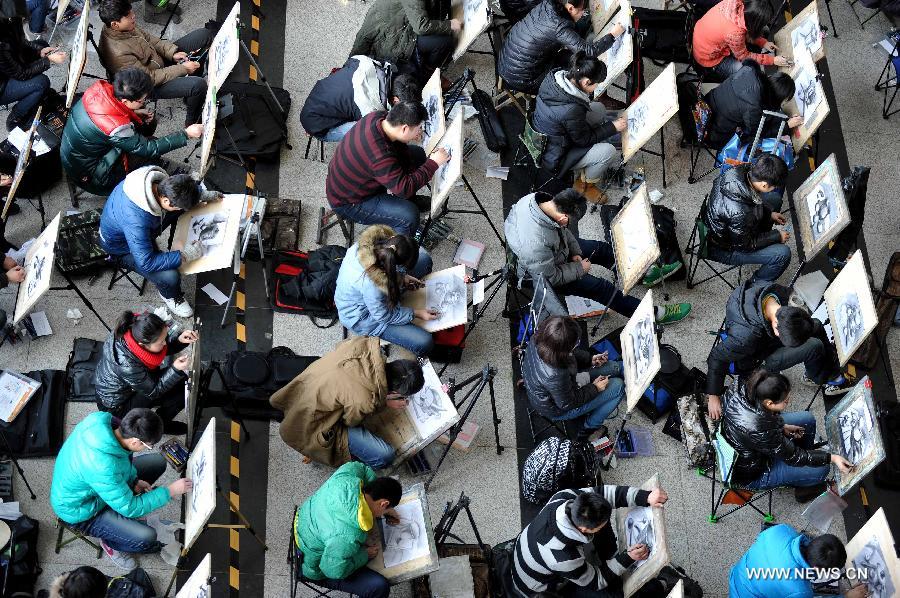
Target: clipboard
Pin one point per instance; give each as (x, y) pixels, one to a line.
(15, 392)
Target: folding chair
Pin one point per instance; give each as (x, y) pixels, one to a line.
(726, 457)
(295, 565)
(323, 224)
(886, 80)
(309, 142)
(505, 97)
(64, 527)
(697, 251)
(539, 425)
(121, 271)
(534, 143)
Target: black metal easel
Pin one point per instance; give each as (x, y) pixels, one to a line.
(15, 462)
(444, 527)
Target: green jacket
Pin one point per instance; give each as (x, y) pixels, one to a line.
(332, 525)
(93, 471)
(391, 27)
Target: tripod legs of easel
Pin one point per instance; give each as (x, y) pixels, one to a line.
(16, 464)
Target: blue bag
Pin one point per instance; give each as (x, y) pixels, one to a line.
(735, 154)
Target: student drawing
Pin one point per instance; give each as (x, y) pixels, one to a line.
(431, 410)
(209, 117)
(823, 209)
(38, 265)
(643, 525)
(201, 498)
(209, 230)
(223, 53)
(620, 54)
(634, 239)
(447, 175)
(427, 404)
(197, 585)
(849, 320)
(872, 555)
(855, 424)
(808, 93)
(637, 120)
(643, 347)
(435, 126)
(807, 36)
(444, 292)
(801, 35)
(78, 56)
(639, 529)
(851, 307)
(851, 430)
(650, 112)
(475, 17)
(876, 576)
(640, 351)
(198, 476)
(216, 226)
(407, 540)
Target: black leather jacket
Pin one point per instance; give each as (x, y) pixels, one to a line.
(120, 375)
(757, 436)
(553, 391)
(20, 59)
(736, 216)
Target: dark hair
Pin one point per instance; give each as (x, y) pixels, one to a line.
(143, 424)
(182, 191)
(589, 510)
(795, 326)
(407, 113)
(824, 552)
(781, 88)
(404, 376)
(132, 84)
(559, 6)
(113, 10)
(762, 386)
(769, 168)
(384, 488)
(396, 252)
(84, 582)
(757, 16)
(568, 201)
(407, 89)
(583, 65)
(555, 339)
(13, 35)
(145, 327)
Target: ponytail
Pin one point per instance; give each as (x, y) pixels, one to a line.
(391, 256)
(144, 327)
(581, 65)
(766, 386)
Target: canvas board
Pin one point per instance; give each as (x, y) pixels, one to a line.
(78, 55)
(873, 559)
(38, 266)
(192, 388)
(802, 32)
(618, 58)
(225, 48)
(634, 240)
(445, 291)
(650, 112)
(435, 125)
(446, 176)
(851, 308)
(22, 162)
(407, 550)
(200, 501)
(216, 225)
(853, 432)
(640, 351)
(475, 18)
(61, 10)
(643, 525)
(197, 585)
(209, 117)
(601, 12)
(809, 100)
(821, 207)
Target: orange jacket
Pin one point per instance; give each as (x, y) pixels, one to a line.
(721, 32)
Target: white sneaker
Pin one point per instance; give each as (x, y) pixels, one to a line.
(122, 560)
(179, 306)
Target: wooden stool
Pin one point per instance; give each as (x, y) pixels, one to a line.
(505, 97)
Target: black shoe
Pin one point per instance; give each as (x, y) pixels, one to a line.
(584, 434)
(804, 494)
(13, 120)
(423, 202)
(174, 428)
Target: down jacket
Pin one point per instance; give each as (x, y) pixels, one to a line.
(533, 42)
(736, 216)
(776, 548)
(552, 391)
(391, 28)
(738, 103)
(722, 32)
(20, 59)
(93, 471)
(122, 49)
(561, 115)
(757, 436)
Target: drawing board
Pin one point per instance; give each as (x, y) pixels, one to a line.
(435, 125)
(445, 291)
(407, 550)
(809, 99)
(223, 53)
(643, 525)
(650, 112)
(803, 32)
(634, 240)
(197, 585)
(38, 266)
(216, 226)
(640, 351)
(209, 117)
(821, 208)
(78, 55)
(447, 175)
(601, 12)
(22, 162)
(618, 58)
(851, 307)
(677, 591)
(200, 500)
(872, 556)
(853, 432)
(475, 17)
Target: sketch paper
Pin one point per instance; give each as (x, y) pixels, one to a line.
(216, 226)
(209, 117)
(640, 350)
(871, 552)
(407, 550)
(200, 501)
(601, 11)
(475, 18)
(445, 291)
(643, 525)
(435, 125)
(197, 585)
(634, 239)
(15, 390)
(650, 112)
(223, 53)
(809, 99)
(22, 161)
(803, 33)
(677, 591)
(447, 175)
(78, 55)
(854, 433)
(38, 269)
(821, 207)
(618, 58)
(851, 308)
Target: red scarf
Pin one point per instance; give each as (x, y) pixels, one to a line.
(151, 360)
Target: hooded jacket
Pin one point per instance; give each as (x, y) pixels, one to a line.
(778, 547)
(533, 42)
(391, 28)
(336, 392)
(757, 436)
(93, 471)
(721, 32)
(736, 216)
(552, 391)
(122, 49)
(541, 245)
(561, 115)
(361, 296)
(738, 103)
(132, 219)
(333, 524)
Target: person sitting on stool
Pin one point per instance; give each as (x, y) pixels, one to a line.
(324, 407)
(175, 74)
(101, 489)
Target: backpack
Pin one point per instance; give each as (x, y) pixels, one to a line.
(250, 378)
(38, 429)
(136, 584)
(693, 111)
(80, 370)
(556, 464)
(19, 559)
(78, 247)
(665, 35)
(319, 281)
(289, 267)
(257, 127)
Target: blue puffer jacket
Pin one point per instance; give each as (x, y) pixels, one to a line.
(132, 220)
(93, 471)
(776, 548)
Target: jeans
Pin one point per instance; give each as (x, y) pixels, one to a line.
(168, 282)
(432, 51)
(338, 132)
(773, 259)
(729, 66)
(192, 87)
(27, 94)
(411, 337)
(37, 10)
(369, 448)
(817, 355)
(781, 474)
(168, 405)
(122, 533)
(598, 409)
(363, 582)
(600, 289)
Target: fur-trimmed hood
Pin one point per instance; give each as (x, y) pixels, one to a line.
(366, 253)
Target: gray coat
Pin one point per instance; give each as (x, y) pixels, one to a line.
(541, 245)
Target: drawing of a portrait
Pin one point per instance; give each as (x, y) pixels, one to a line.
(216, 226)
(821, 208)
(855, 425)
(78, 55)
(650, 112)
(872, 558)
(853, 432)
(851, 307)
(475, 18)
(639, 529)
(447, 175)
(807, 35)
(809, 99)
(800, 35)
(210, 114)
(620, 54)
(877, 577)
(407, 549)
(640, 351)
(849, 324)
(445, 292)
(405, 541)
(201, 498)
(38, 265)
(806, 94)
(634, 239)
(434, 127)
(209, 230)
(197, 585)
(223, 53)
(643, 525)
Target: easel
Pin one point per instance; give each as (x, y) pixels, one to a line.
(252, 228)
(15, 461)
(442, 531)
(262, 76)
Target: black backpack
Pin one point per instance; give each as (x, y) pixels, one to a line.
(257, 127)
(38, 429)
(665, 35)
(290, 269)
(136, 584)
(19, 559)
(557, 464)
(80, 370)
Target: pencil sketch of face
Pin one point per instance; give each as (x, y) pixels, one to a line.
(849, 320)
(807, 35)
(447, 295)
(36, 273)
(427, 404)
(209, 229)
(197, 476)
(642, 344)
(430, 125)
(806, 93)
(873, 571)
(855, 426)
(442, 171)
(823, 211)
(637, 120)
(472, 10)
(639, 528)
(401, 538)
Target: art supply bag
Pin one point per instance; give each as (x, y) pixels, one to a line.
(38, 429)
(290, 270)
(251, 377)
(689, 424)
(80, 370)
(556, 464)
(78, 247)
(664, 35)
(257, 127)
(735, 153)
(19, 559)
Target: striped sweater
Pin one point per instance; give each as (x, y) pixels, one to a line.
(551, 549)
(366, 163)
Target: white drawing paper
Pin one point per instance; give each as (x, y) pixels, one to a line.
(38, 269)
(209, 117)
(445, 292)
(201, 498)
(431, 409)
(408, 540)
(809, 93)
(15, 390)
(640, 351)
(216, 225)
(650, 112)
(435, 125)
(446, 175)
(78, 55)
(851, 307)
(225, 48)
(643, 525)
(807, 35)
(619, 56)
(872, 556)
(208, 230)
(475, 18)
(639, 529)
(197, 585)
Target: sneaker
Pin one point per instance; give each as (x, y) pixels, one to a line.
(179, 306)
(675, 312)
(838, 386)
(122, 560)
(656, 274)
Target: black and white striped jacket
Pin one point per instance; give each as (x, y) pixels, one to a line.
(550, 550)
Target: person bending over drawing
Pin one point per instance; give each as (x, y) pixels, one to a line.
(325, 406)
